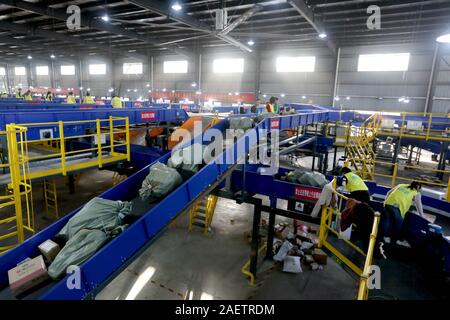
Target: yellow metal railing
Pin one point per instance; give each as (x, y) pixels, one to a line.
(424, 132)
(245, 268)
(18, 194)
(395, 177)
(329, 215)
(210, 203)
(101, 153)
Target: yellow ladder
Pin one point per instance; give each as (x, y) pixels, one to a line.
(51, 198)
(358, 146)
(202, 213)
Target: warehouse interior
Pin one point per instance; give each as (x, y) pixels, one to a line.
(225, 150)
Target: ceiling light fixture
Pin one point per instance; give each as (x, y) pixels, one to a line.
(445, 38)
(250, 42)
(29, 57)
(105, 18)
(176, 6)
(322, 35)
(52, 56)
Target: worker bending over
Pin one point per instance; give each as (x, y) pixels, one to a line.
(356, 186)
(396, 205)
(116, 102)
(88, 99)
(71, 98)
(48, 96)
(28, 96)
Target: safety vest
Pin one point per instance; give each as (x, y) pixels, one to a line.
(355, 183)
(116, 102)
(27, 97)
(48, 98)
(18, 95)
(70, 99)
(276, 108)
(401, 197)
(88, 100)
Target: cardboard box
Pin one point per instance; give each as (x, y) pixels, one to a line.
(49, 250)
(27, 275)
(319, 256)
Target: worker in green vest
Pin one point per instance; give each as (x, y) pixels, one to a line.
(396, 206)
(116, 102)
(49, 96)
(28, 96)
(356, 186)
(88, 99)
(19, 94)
(71, 98)
(270, 105)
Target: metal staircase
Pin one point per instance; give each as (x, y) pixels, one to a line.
(202, 213)
(358, 147)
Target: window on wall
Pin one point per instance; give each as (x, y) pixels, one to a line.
(42, 70)
(133, 68)
(383, 62)
(97, 69)
(228, 65)
(180, 66)
(68, 70)
(296, 64)
(20, 71)
(2, 71)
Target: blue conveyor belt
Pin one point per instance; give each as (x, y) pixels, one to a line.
(115, 254)
(135, 116)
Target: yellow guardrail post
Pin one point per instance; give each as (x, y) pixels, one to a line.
(394, 175)
(322, 230)
(363, 289)
(247, 264)
(63, 147)
(127, 134)
(99, 144)
(111, 133)
(403, 124)
(429, 126)
(15, 178)
(448, 190)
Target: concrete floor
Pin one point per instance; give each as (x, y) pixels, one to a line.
(183, 265)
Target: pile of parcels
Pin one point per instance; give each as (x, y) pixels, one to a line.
(296, 245)
(96, 223)
(99, 221)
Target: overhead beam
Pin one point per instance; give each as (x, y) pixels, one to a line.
(308, 15)
(244, 17)
(87, 20)
(34, 31)
(181, 17)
